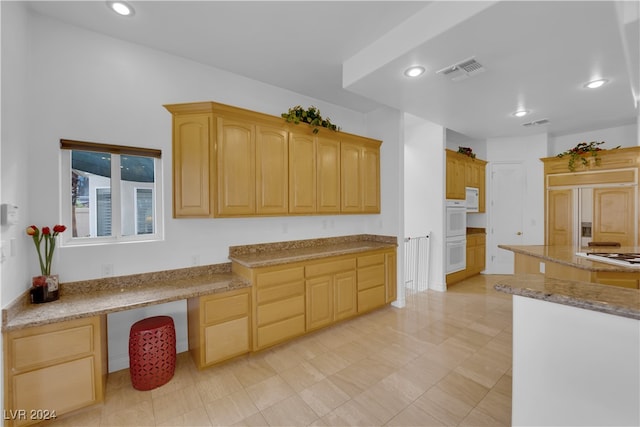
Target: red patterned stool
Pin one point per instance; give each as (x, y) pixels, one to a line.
(152, 352)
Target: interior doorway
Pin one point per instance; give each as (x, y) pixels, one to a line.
(507, 200)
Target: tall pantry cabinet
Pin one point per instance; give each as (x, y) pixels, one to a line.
(595, 202)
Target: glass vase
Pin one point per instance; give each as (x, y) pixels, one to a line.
(44, 289)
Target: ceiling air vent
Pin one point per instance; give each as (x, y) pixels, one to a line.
(536, 122)
(462, 70)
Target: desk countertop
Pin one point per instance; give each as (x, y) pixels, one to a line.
(607, 299)
(113, 294)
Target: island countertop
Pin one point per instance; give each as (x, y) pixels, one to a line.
(613, 300)
(269, 254)
(566, 255)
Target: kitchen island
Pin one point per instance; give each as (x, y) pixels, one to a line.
(576, 352)
(561, 262)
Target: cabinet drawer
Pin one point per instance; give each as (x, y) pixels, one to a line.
(41, 349)
(330, 267)
(371, 276)
(280, 276)
(280, 331)
(275, 311)
(367, 260)
(226, 340)
(60, 388)
(273, 293)
(217, 309)
(371, 298)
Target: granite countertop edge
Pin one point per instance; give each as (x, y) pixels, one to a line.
(588, 265)
(271, 254)
(617, 301)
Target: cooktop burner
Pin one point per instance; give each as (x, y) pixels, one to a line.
(629, 259)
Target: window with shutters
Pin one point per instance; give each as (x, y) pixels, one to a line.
(110, 193)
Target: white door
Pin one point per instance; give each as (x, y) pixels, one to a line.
(507, 183)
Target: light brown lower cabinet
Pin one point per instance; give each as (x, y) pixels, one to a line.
(219, 326)
(292, 299)
(54, 369)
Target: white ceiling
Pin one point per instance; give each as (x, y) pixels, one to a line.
(536, 55)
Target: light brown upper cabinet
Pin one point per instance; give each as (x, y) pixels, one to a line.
(231, 162)
(595, 202)
(463, 171)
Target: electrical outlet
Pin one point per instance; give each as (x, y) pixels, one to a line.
(542, 265)
(107, 270)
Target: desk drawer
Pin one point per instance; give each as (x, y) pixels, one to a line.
(49, 347)
(217, 308)
(371, 298)
(280, 331)
(368, 260)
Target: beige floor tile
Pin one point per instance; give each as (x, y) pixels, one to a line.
(482, 370)
(231, 409)
(357, 377)
(195, 418)
(302, 376)
(329, 363)
(388, 397)
(323, 397)
(252, 371)
(270, 391)
(478, 418)
(463, 388)
(292, 411)
(414, 416)
(255, 420)
(497, 406)
(216, 384)
(135, 415)
(351, 413)
(283, 357)
(169, 405)
(448, 409)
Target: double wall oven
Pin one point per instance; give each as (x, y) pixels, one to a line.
(456, 236)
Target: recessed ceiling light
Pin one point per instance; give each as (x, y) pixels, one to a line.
(521, 113)
(121, 8)
(414, 71)
(595, 83)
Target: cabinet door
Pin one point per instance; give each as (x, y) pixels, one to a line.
(345, 295)
(192, 166)
(560, 217)
(370, 171)
(319, 301)
(235, 151)
(482, 191)
(455, 173)
(391, 274)
(351, 188)
(302, 173)
(328, 164)
(613, 215)
(226, 340)
(272, 171)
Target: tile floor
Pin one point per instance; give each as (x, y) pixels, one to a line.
(443, 360)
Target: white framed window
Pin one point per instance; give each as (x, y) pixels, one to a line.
(110, 194)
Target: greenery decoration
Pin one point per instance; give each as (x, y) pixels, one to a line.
(311, 116)
(580, 153)
(467, 151)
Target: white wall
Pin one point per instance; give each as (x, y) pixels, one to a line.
(424, 183)
(574, 367)
(625, 136)
(85, 86)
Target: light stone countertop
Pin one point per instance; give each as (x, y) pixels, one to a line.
(269, 254)
(109, 295)
(113, 294)
(566, 255)
(607, 299)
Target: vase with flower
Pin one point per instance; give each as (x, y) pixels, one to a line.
(44, 288)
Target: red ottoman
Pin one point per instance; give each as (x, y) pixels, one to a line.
(152, 352)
